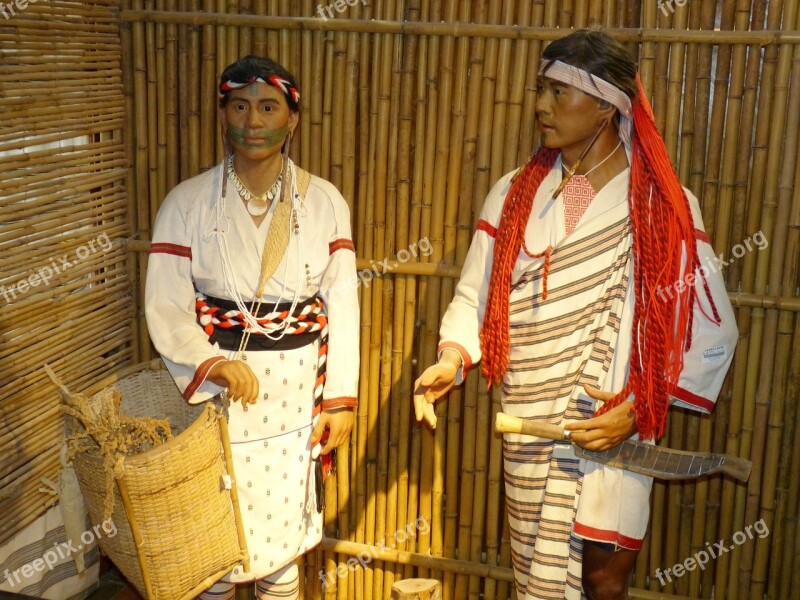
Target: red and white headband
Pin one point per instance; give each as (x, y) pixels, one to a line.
(291, 93)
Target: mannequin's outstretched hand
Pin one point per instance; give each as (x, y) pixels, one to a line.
(434, 383)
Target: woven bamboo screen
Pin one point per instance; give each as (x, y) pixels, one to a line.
(65, 296)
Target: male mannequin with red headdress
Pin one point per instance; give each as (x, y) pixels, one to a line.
(559, 298)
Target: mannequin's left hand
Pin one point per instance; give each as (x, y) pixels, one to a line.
(606, 431)
(339, 422)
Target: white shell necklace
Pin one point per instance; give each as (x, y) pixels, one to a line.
(256, 205)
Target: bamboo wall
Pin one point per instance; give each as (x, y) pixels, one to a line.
(65, 297)
(413, 119)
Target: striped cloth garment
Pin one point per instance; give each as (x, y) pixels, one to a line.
(21, 574)
(557, 347)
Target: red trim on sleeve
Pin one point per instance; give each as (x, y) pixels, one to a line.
(341, 244)
(200, 376)
(487, 227)
(174, 249)
(343, 402)
(607, 536)
(693, 399)
(702, 236)
(461, 350)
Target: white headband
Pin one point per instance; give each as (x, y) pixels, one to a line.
(594, 86)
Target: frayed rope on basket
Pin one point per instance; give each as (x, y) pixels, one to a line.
(108, 434)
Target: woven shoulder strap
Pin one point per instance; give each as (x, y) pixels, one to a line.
(279, 228)
(303, 181)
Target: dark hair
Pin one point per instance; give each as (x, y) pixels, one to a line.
(255, 67)
(599, 54)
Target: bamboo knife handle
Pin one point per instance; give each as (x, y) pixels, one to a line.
(507, 424)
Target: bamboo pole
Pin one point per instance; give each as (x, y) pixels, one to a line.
(702, 427)
(417, 559)
(423, 454)
(717, 128)
(769, 398)
(781, 562)
(232, 51)
(738, 227)
(152, 111)
(160, 69)
(790, 563)
(171, 90)
(695, 493)
(183, 91)
(443, 206)
(306, 46)
(405, 297)
(259, 35)
(658, 90)
(362, 581)
(245, 33)
(209, 135)
(674, 85)
(527, 141)
(500, 161)
(394, 297)
(724, 205)
(454, 254)
(771, 36)
(273, 42)
(465, 220)
(380, 65)
(757, 382)
(349, 191)
(382, 301)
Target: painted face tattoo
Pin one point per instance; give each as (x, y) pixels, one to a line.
(268, 137)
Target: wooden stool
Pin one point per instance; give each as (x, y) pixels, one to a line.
(417, 589)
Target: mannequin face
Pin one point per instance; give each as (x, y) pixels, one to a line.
(568, 117)
(256, 120)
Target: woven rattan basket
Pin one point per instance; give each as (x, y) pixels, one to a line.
(176, 512)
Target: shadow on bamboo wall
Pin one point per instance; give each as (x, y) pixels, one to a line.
(413, 119)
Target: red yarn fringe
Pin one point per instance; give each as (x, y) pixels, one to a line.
(662, 227)
(510, 237)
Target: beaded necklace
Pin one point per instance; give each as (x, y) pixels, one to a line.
(256, 205)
